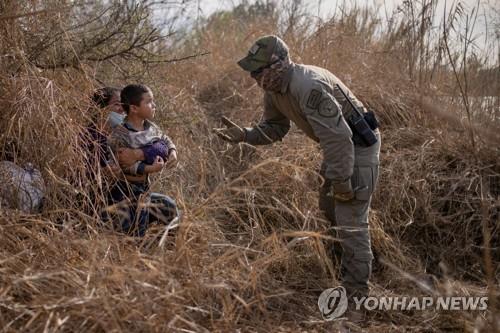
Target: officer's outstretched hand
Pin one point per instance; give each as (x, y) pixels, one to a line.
(233, 133)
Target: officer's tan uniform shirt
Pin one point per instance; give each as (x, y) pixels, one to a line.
(310, 99)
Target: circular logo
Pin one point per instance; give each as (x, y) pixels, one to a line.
(328, 108)
(332, 303)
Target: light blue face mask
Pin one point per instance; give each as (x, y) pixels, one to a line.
(115, 119)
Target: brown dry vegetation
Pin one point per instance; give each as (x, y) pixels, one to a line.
(252, 252)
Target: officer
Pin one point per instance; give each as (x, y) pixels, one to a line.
(309, 96)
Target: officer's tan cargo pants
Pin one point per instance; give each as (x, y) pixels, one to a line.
(350, 220)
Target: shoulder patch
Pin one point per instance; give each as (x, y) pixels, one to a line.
(328, 108)
(314, 99)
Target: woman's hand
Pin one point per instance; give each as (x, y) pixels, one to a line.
(158, 164)
(128, 156)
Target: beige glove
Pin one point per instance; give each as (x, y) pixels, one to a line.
(233, 133)
(344, 197)
(343, 191)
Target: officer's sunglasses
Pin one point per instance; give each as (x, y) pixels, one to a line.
(261, 69)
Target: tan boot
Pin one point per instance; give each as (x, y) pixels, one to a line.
(356, 316)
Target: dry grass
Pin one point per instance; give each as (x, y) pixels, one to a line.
(252, 252)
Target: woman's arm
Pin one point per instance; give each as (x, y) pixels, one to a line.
(148, 154)
(141, 168)
(128, 156)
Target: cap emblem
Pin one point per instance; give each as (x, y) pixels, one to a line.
(254, 49)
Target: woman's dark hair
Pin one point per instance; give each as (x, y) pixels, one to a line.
(132, 95)
(102, 96)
